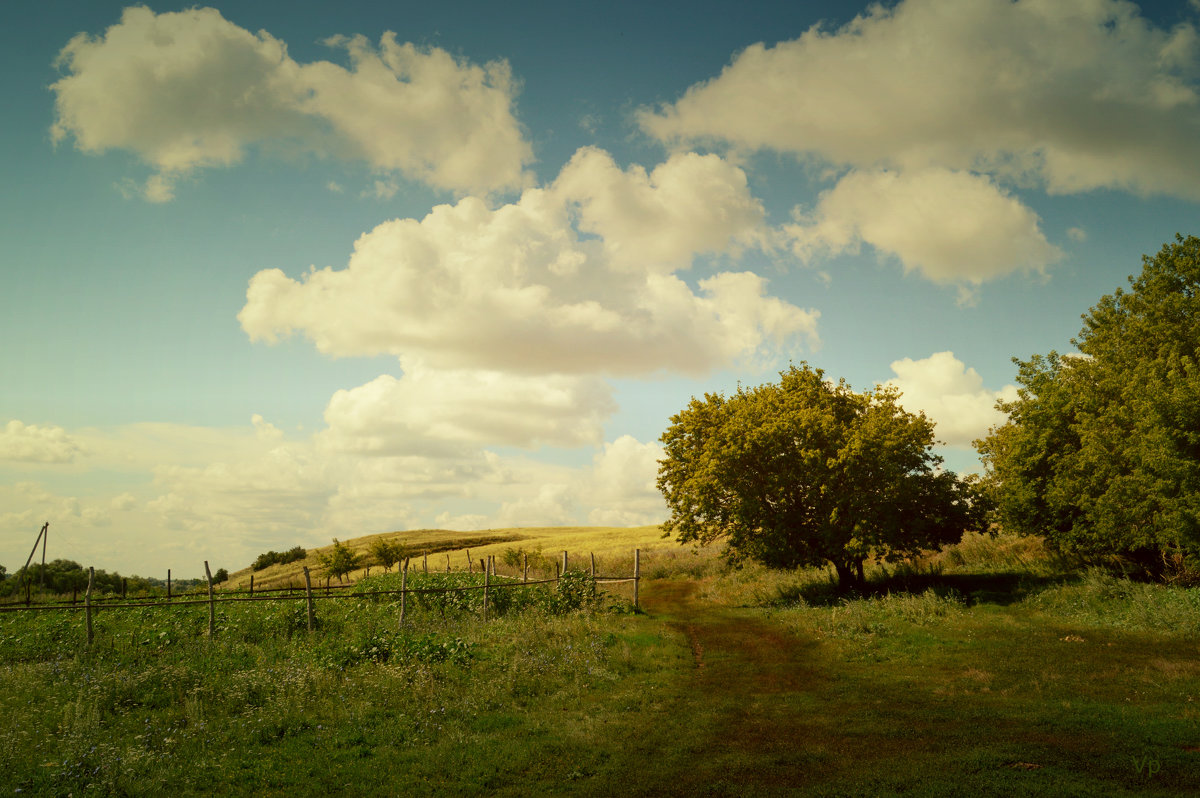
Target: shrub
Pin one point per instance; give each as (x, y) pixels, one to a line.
(269, 558)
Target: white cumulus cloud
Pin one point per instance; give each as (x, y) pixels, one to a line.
(1074, 94)
(951, 227)
(950, 394)
(520, 289)
(31, 443)
(433, 412)
(191, 90)
(688, 205)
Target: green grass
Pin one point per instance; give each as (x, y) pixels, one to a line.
(998, 672)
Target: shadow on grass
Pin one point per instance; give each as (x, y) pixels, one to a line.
(1003, 588)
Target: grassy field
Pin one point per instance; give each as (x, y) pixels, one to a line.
(987, 669)
(612, 546)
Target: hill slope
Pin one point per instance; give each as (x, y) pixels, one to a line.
(438, 549)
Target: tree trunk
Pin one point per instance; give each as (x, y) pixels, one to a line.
(850, 575)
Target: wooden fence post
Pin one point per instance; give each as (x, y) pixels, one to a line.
(124, 586)
(251, 584)
(425, 562)
(308, 595)
(212, 608)
(403, 591)
(87, 603)
(524, 567)
(469, 562)
(564, 570)
(637, 575)
(487, 580)
(447, 563)
(593, 556)
(168, 583)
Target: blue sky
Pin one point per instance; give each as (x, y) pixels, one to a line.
(275, 273)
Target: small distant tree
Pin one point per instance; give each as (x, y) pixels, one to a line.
(221, 575)
(386, 552)
(808, 471)
(341, 560)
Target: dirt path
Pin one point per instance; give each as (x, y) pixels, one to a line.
(744, 708)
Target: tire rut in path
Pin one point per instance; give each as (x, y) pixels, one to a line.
(750, 697)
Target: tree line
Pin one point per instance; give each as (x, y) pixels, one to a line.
(63, 576)
(1100, 453)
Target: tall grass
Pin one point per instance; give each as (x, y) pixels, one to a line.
(154, 706)
(1101, 599)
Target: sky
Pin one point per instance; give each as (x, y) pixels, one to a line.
(275, 273)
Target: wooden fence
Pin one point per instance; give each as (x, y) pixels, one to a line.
(311, 595)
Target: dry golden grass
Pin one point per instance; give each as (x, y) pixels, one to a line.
(612, 546)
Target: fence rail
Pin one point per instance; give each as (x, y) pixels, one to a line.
(91, 605)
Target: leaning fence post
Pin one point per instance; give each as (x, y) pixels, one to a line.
(211, 606)
(637, 575)
(469, 562)
(87, 603)
(403, 591)
(447, 563)
(308, 595)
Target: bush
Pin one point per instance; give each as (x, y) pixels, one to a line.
(269, 558)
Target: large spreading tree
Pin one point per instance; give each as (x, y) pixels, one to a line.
(1101, 452)
(807, 471)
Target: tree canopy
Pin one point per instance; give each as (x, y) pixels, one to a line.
(807, 471)
(1101, 452)
(341, 560)
(387, 552)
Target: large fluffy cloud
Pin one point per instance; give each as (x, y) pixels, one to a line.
(951, 394)
(435, 412)
(1077, 94)
(190, 89)
(688, 205)
(952, 227)
(520, 289)
(31, 443)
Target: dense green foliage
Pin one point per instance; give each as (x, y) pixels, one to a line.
(1101, 453)
(807, 471)
(269, 558)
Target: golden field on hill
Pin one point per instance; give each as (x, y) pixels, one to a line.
(613, 548)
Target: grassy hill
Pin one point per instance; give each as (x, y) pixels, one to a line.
(612, 546)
